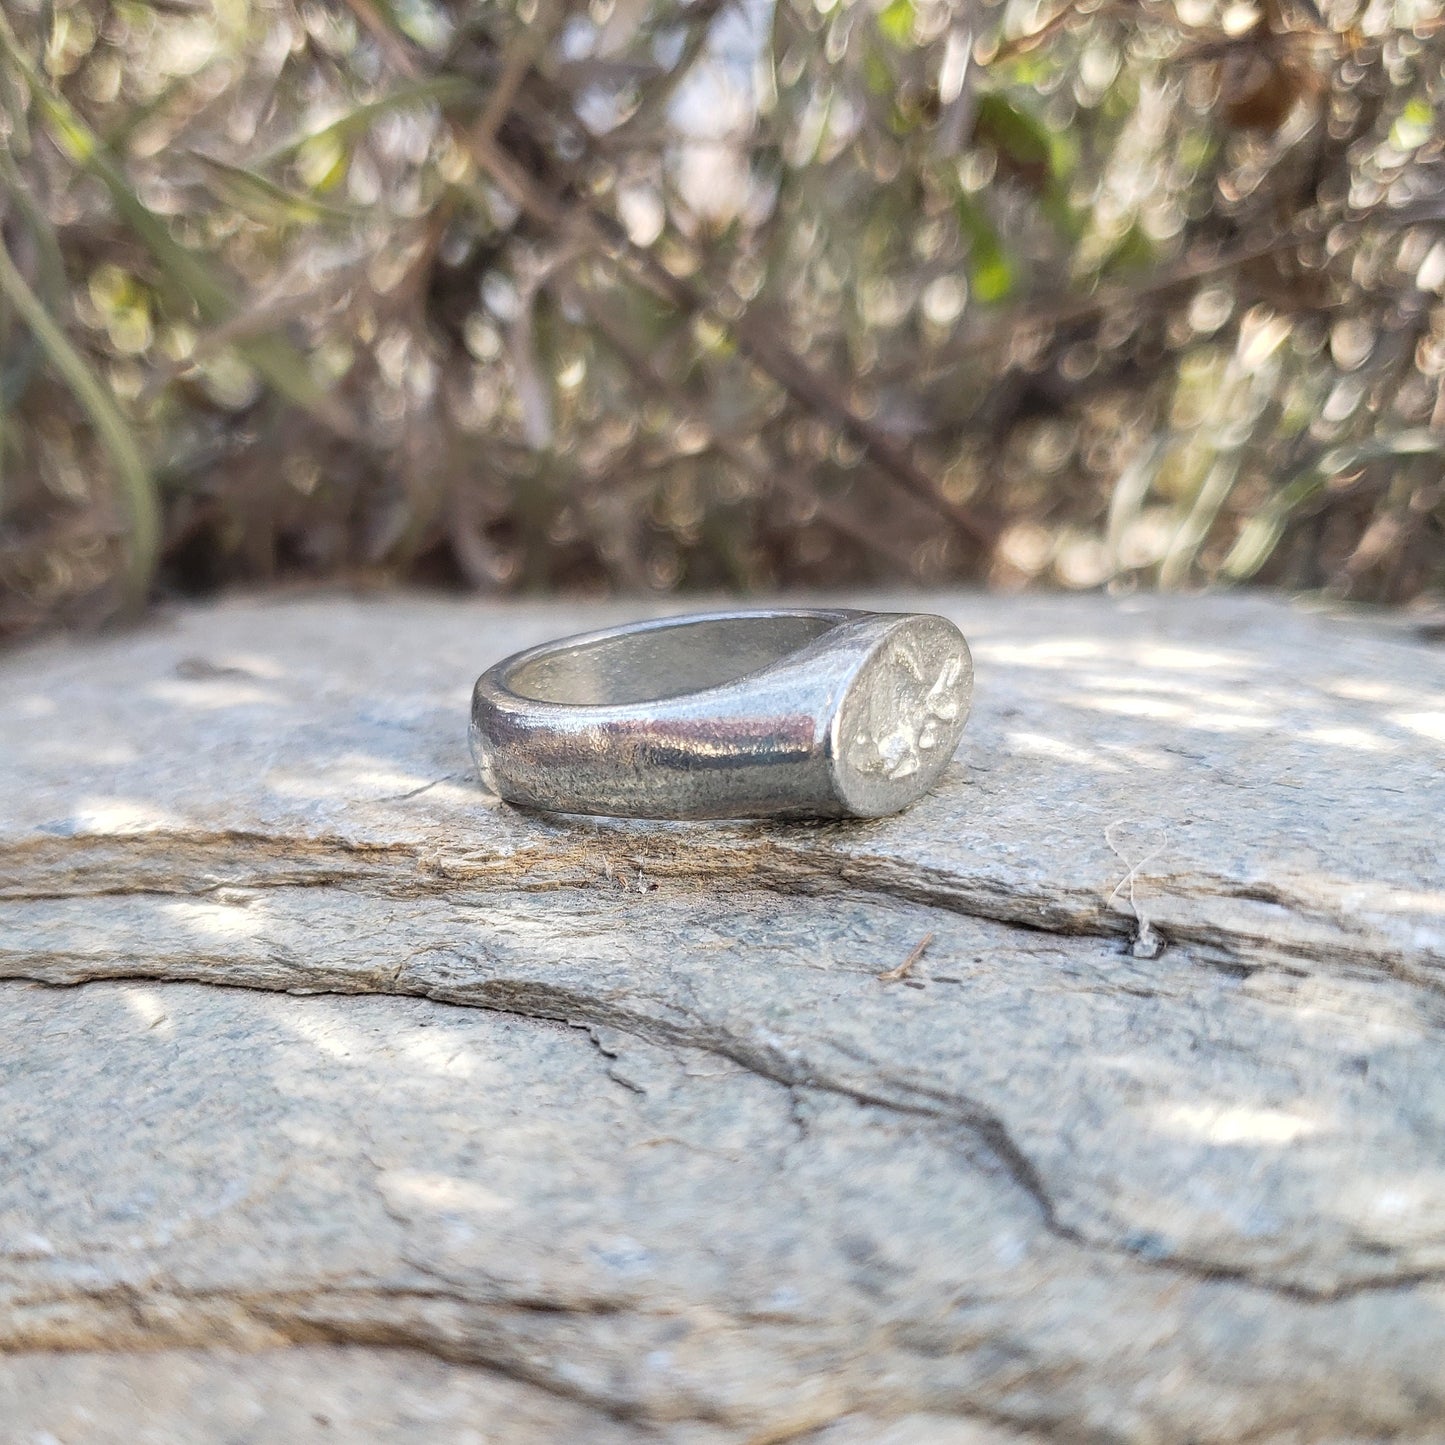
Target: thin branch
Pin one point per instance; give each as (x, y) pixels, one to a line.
(522, 54)
(656, 380)
(698, 17)
(906, 967)
(394, 46)
(759, 344)
(1059, 311)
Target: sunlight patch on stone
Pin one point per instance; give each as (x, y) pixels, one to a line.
(218, 920)
(444, 1193)
(214, 694)
(1428, 724)
(1238, 1124)
(1056, 750)
(146, 1005)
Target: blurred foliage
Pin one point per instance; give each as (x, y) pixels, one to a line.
(735, 294)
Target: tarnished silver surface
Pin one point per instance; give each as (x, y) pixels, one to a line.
(792, 712)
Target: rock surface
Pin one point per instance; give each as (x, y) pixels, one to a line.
(338, 1102)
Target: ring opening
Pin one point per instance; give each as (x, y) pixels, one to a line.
(663, 662)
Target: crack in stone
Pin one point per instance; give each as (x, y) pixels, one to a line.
(365, 1313)
(338, 1316)
(152, 863)
(525, 998)
(327, 1315)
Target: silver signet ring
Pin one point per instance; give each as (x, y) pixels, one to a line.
(789, 713)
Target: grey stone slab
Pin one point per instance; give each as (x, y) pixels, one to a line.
(1287, 1128)
(303, 1395)
(652, 1230)
(1235, 772)
(311, 1048)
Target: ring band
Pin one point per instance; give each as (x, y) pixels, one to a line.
(787, 713)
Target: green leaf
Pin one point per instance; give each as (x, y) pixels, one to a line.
(445, 90)
(1042, 155)
(1131, 488)
(1013, 129)
(137, 485)
(1214, 490)
(895, 22)
(1133, 251)
(991, 274)
(1413, 126)
(877, 75)
(17, 362)
(1261, 534)
(180, 269)
(262, 200)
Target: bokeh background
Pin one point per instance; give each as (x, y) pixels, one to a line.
(734, 295)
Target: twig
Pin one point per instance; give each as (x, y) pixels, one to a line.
(265, 316)
(521, 56)
(698, 17)
(1022, 44)
(906, 967)
(658, 381)
(394, 46)
(759, 344)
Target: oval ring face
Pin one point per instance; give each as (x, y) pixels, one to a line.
(902, 716)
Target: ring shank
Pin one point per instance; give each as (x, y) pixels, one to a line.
(663, 662)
